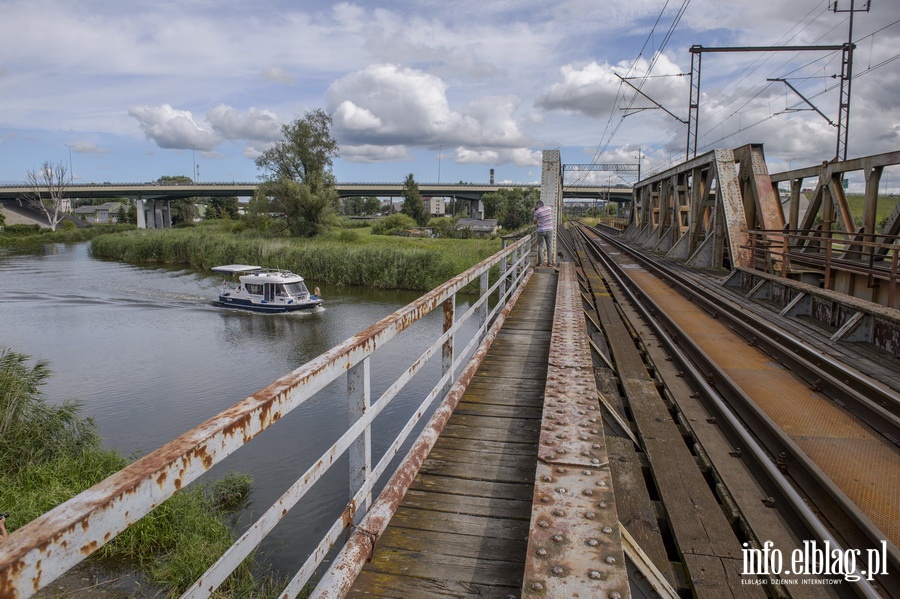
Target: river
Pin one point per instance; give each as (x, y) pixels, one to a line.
(149, 356)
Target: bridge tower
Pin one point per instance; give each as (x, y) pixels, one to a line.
(551, 192)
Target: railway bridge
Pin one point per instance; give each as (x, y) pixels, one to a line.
(704, 404)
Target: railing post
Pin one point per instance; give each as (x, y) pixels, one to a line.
(360, 453)
(503, 277)
(447, 349)
(483, 287)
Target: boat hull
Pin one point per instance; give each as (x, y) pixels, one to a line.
(267, 308)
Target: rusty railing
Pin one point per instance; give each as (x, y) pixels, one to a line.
(874, 257)
(42, 550)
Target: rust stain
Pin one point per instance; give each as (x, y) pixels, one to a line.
(89, 548)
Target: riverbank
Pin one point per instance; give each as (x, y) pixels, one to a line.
(352, 257)
(50, 453)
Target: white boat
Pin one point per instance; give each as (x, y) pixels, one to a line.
(265, 290)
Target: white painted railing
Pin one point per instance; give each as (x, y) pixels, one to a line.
(39, 552)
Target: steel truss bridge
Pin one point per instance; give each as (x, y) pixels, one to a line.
(652, 416)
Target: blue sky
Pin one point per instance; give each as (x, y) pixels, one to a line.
(131, 91)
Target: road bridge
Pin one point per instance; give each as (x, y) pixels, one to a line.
(628, 422)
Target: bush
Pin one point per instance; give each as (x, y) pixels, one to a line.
(393, 224)
(22, 230)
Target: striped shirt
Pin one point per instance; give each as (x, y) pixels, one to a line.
(544, 218)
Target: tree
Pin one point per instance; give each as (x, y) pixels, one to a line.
(512, 207)
(48, 191)
(221, 208)
(297, 178)
(412, 201)
(372, 205)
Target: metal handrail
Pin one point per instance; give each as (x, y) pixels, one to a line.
(875, 256)
(42, 550)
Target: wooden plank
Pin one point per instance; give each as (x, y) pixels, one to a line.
(486, 447)
(468, 456)
(496, 426)
(485, 408)
(475, 526)
(462, 528)
(485, 570)
(516, 509)
(636, 511)
(473, 488)
(717, 578)
(378, 584)
(523, 473)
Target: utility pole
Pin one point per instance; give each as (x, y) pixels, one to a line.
(694, 106)
(846, 78)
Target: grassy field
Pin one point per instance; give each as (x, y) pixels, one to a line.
(342, 257)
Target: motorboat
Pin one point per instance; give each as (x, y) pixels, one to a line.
(265, 290)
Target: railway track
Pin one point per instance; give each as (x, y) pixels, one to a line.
(818, 438)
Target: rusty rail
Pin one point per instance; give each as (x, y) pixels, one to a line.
(41, 551)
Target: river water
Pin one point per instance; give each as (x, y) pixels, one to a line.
(149, 356)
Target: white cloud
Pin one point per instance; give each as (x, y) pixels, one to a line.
(388, 104)
(170, 128)
(374, 153)
(254, 124)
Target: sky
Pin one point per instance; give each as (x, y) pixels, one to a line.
(446, 91)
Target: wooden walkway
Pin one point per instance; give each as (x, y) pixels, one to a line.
(462, 528)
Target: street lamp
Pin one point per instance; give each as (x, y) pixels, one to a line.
(71, 172)
(194, 159)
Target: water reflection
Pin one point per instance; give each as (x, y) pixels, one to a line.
(150, 357)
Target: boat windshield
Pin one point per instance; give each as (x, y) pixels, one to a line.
(296, 289)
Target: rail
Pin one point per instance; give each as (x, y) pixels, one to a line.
(41, 551)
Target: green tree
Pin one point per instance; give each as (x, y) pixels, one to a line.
(183, 211)
(297, 178)
(512, 207)
(222, 208)
(412, 201)
(372, 205)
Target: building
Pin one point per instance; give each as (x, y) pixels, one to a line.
(103, 214)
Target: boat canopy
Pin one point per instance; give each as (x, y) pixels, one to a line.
(235, 269)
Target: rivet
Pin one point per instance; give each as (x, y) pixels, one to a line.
(595, 461)
(607, 529)
(592, 420)
(561, 490)
(595, 575)
(595, 446)
(581, 412)
(594, 431)
(592, 408)
(610, 560)
(548, 479)
(545, 499)
(603, 504)
(560, 450)
(542, 552)
(601, 483)
(558, 538)
(616, 595)
(587, 492)
(561, 436)
(593, 542)
(561, 470)
(543, 524)
(558, 570)
(586, 472)
(559, 513)
(590, 515)
(536, 586)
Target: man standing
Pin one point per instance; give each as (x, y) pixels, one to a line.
(543, 215)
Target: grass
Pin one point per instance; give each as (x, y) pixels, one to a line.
(342, 257)
(49, 454)
(23, 235)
